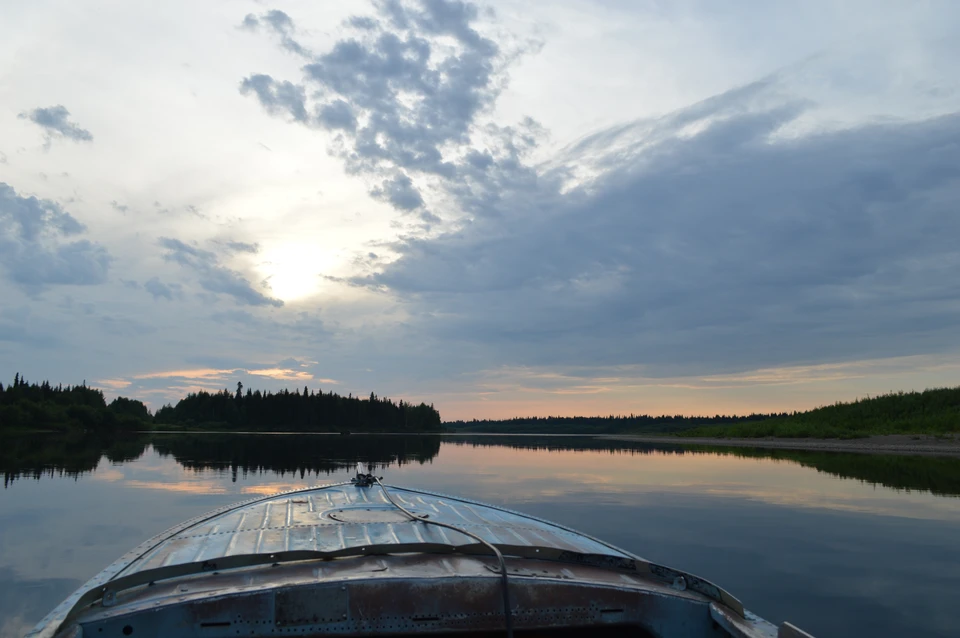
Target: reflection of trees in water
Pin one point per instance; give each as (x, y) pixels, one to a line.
(297, 454)
(52, 455)
(548, 443)
(938, 475)
(39, 455)
(934, 474)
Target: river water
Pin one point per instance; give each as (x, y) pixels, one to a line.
(839, 544)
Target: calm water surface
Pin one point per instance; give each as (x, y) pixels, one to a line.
(842, 545)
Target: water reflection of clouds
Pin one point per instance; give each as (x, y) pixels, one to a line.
(165, 474)
(534, 475)
(23, 599)
(186, 487)
(531, 476)
(112, 474)
(206, 487)
(879, 504)
(270, 488)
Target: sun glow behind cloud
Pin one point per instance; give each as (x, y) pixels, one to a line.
(294, 270)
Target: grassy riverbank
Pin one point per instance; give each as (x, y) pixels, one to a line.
(931, 412)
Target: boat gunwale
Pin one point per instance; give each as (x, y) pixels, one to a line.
(587, 578)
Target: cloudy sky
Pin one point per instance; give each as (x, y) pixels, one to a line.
(508, 208)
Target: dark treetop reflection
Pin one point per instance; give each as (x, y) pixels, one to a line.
(938, 475)
(299, 454)
(40, 455)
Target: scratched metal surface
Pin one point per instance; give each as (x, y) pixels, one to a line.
(344, 517)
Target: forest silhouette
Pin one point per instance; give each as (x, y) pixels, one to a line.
(286, 411)
(613, 424)
(43, 407)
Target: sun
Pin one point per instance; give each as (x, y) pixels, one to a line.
(294, 270)
(290, 285)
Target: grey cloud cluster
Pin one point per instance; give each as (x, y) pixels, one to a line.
(35, 245)
(56, 124)
(706, 241)
(277, 97)
(160, 290)
(281, 24)
(239, 247)
(404, 95)
(212, 276)
(400, 192)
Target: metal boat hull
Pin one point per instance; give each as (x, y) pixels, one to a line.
(343, 559)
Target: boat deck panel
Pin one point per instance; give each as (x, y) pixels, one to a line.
(344, 517)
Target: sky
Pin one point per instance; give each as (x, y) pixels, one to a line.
(503, 208)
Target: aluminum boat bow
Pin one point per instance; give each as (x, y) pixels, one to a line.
(360, 558)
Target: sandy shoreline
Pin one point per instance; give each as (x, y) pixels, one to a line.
(888, 444)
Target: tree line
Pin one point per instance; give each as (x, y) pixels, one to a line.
(933, 411)
(43, 406)
(613, 424)
(296, 411)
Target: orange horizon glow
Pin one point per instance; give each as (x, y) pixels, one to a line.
(524, 392)
(200, 373)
